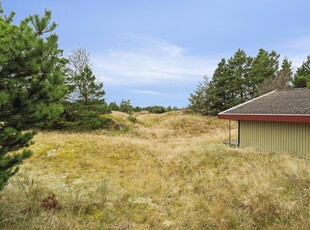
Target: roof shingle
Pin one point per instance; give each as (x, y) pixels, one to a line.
(290, 102)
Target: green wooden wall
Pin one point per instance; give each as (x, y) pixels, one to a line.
(293, 138)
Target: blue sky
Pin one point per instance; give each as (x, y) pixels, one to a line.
(155, 52)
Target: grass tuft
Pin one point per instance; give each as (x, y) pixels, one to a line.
(165, 171)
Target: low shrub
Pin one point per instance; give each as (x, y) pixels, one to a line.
(157, 109)
(79, 117)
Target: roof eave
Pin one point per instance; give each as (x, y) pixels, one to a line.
(303, 118)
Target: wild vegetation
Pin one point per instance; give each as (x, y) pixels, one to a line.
(84, 101)
(131, 169)
(126, 107)
(166, 171)
(242, 78)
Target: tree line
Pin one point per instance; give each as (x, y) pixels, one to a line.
(126, 107)
(242, 78)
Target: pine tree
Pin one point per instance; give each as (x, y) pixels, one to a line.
(31, 85)
(217, 90)
(238, 74)
(88, 91)
(78, 60)
(265, 65)
(85, 103)
(199, 99)
(113, 106)
(281, 81)
(84, 85)
(284, 76)
(242, 78)
(125, 106)
(302, 76)
(286, 71)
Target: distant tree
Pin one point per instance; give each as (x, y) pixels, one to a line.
(113, 106)
(239, 79)
(302, 76)
(125, 106)
(157, 109)
(281, 82)
(31, 85)
(265, 65)
(78, 60)
(286, 72)
(88, 90)
(137, 109)
(85, 104)
(84, 85)
(238, 75)
(230, 83)
(199, 99)
(169, 108)
(217, 89)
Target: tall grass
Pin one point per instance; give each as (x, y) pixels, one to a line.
(167, 171)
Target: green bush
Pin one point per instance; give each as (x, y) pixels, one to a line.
(125, 106)
(79, 117)
(132, 118)
(113, 106)
(157, 109)
(137, 109)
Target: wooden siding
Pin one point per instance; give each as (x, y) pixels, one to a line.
(293, 138)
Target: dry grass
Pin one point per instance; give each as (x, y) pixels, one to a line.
(167, 171)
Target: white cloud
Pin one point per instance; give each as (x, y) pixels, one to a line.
(151, 61)
(147, 92)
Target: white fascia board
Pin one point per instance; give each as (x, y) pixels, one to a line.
(221, 113)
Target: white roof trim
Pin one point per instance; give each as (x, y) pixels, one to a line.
(221, 113)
